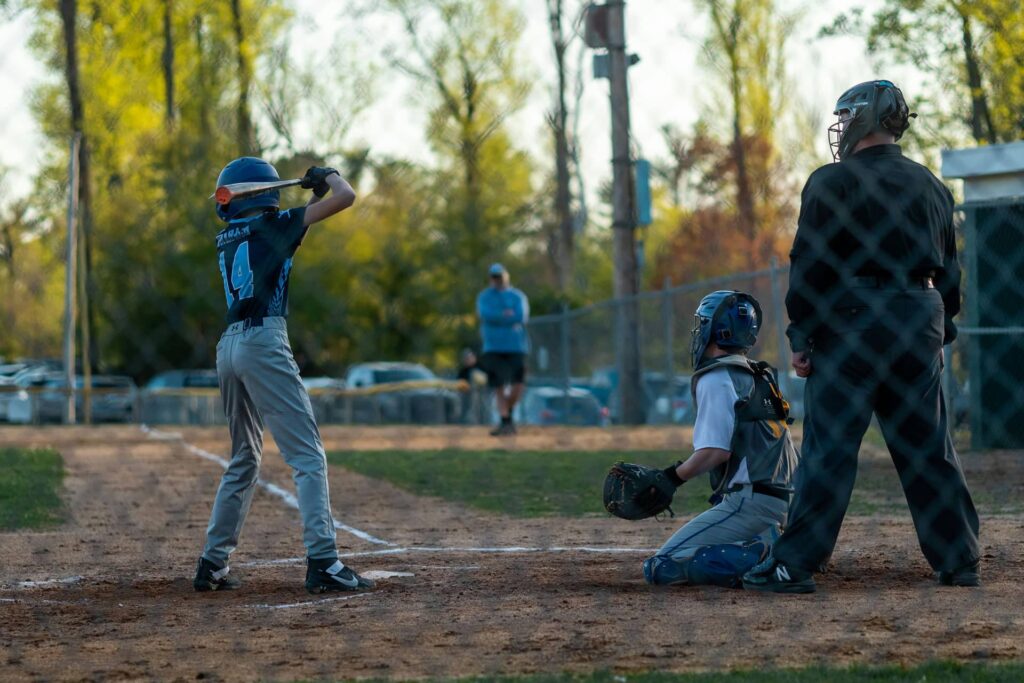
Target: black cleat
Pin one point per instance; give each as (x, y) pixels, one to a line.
(965, 577)
(210, 577)
(325, 576)
(774, 577)
(504, 429)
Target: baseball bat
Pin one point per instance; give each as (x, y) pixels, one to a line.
(225, 193)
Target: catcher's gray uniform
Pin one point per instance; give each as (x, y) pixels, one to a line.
(734, 413)
(742, 514)
(259, 381)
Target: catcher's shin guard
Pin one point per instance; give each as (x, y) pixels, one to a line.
(662, 570)
(724, 565)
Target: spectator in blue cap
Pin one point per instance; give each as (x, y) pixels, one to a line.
(503, 312)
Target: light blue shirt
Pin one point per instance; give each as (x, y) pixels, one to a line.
(503, 315)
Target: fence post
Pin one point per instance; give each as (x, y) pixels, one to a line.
(668, 319)
(780, 326)
(566, 358)
(71, 281)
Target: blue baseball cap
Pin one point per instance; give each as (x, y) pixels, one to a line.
(496, 270)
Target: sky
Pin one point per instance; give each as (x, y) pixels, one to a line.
(667, 85)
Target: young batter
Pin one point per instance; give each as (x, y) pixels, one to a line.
(259, 379)
(741, 437)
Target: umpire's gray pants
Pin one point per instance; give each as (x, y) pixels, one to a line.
(260, 380)
(740, 517)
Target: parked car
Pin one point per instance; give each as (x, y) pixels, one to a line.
(8, 391)
(328, 406)
(182, 379)
(669, 406)
(660, 405)
(44, 399)
(21, 407)
(421, 406)
(556, 406)
(166, 399)
(9, 370)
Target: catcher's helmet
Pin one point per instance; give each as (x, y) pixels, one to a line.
(729, 318)
(874, 106)
(248, 170)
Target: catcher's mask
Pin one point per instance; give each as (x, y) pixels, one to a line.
(248, 170)
(874, 106)
(729, 318)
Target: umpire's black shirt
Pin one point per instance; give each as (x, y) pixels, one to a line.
(876, 213)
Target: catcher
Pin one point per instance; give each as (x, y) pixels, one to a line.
(740, 436)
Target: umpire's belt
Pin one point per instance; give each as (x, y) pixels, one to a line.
(890, 281)
(765, 489)
(274, 321)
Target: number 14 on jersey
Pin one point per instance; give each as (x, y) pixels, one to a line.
(239, 285)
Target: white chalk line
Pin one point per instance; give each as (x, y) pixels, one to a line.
(37, 601)
(309, 603)
(450, 567)
(43, 583)
(285, 496)
(375, 574)
(289, 499)
(462, 550)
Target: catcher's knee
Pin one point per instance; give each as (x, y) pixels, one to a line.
(662, 570)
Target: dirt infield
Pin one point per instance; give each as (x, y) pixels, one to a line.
(108, 594)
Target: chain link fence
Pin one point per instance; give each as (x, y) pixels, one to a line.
(579, 347)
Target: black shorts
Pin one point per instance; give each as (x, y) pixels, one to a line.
(503, 368)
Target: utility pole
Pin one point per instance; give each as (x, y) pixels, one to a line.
(606, 28)
(71, 280)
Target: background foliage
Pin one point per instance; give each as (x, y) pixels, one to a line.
(170, 90)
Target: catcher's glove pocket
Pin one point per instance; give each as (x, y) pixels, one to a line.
(637, 491)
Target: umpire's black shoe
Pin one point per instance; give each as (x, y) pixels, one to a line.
(774, 577)
(210, 577)
(325, 576)
(965, 577)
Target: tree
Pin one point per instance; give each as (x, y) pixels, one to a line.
(971, 51)
(462, 52)
(742, 207)
(153, 286)
(561, 247)
(31, 278)
(747, 47)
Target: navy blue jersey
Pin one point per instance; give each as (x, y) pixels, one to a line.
(255, 256)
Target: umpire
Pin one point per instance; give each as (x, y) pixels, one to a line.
(874, 285)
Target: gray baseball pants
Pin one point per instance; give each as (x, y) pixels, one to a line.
(740, 517)
(259, 381)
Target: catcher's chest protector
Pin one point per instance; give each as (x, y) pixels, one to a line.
(761, 435)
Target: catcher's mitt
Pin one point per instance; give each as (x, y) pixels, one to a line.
(637, 491)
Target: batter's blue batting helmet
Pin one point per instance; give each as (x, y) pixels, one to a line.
(248, 170)
(729, 318)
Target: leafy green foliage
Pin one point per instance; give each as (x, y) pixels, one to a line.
(971, 53)
(30, 483)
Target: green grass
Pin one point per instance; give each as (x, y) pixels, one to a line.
(521, 483)
(30, 482)
(569, 484)
(934, 672)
